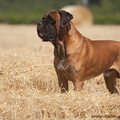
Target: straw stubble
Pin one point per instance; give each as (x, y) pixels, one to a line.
(28, 82)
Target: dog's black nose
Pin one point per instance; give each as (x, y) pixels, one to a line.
(39, 23)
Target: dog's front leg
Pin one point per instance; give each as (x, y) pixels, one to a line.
(62, 80)
(63, 84)
(78, 85)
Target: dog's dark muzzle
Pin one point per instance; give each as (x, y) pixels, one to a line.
(46, 32)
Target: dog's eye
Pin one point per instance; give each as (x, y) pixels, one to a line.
(51, 21)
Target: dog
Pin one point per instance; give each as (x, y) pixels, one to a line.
(77, 58)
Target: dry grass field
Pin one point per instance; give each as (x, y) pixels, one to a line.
(28, 82)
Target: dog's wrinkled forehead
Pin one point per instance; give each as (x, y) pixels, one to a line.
(53, 14)
(60, 17)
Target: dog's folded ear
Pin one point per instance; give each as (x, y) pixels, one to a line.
(65, 19)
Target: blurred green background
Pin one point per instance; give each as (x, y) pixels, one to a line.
(31, 11)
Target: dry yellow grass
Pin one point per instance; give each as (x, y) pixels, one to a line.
(28, 82)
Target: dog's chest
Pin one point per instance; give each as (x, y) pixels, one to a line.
(66, 67)
(63, 65)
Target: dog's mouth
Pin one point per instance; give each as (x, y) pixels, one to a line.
(41, 34)
(44, 37)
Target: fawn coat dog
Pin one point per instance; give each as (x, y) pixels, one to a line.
(77, 58)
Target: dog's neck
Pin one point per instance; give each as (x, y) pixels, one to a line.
(61, 43)
(63, 32)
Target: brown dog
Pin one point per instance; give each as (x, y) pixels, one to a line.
(77, 58)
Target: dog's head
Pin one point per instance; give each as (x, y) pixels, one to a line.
(48, 29)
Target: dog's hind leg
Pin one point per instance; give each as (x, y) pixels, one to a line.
(110, 80)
